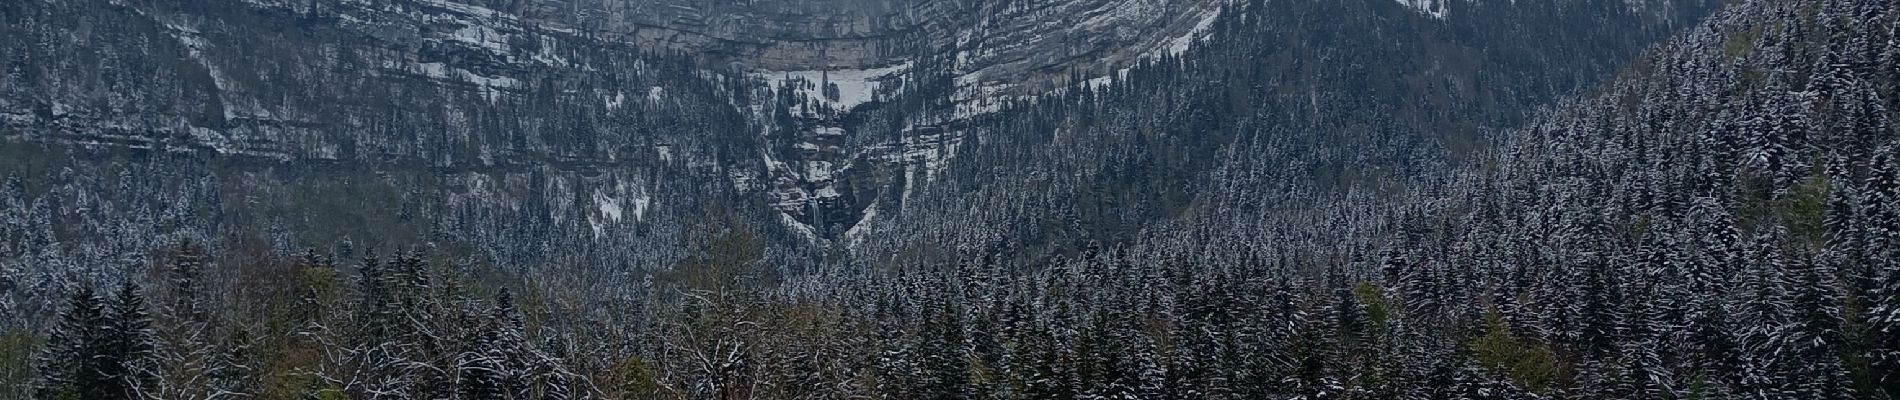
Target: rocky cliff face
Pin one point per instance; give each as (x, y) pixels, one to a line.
(489, 113)
(764, 34)
(605, 126)
(997, 43)
(836, 55)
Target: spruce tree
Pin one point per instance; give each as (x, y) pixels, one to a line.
(1883, 328)
(945, 365)
(510, 348)
(66, 365)
(187, 265)
(130, 340)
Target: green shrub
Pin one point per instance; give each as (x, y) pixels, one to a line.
(1525, 362)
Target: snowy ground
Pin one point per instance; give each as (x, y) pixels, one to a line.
(1434, 8)
(855, 86)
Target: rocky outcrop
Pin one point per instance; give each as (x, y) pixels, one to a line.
(1023, 46)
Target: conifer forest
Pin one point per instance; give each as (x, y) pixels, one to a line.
(949, 199)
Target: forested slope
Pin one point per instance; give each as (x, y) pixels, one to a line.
(1717, 221)
(1286, 106)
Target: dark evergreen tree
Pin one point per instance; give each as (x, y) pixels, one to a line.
(187, 266)
(1883, 327)
(130, 342)
(69, 366)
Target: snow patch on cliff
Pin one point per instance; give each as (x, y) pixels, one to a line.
(1180, 44)
(862, 228)
(613, 103)
(483, 37)
(609, 206)
(1435, 8)
(614, 203)
(854, 86)
(798, 227)
(491, 87)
